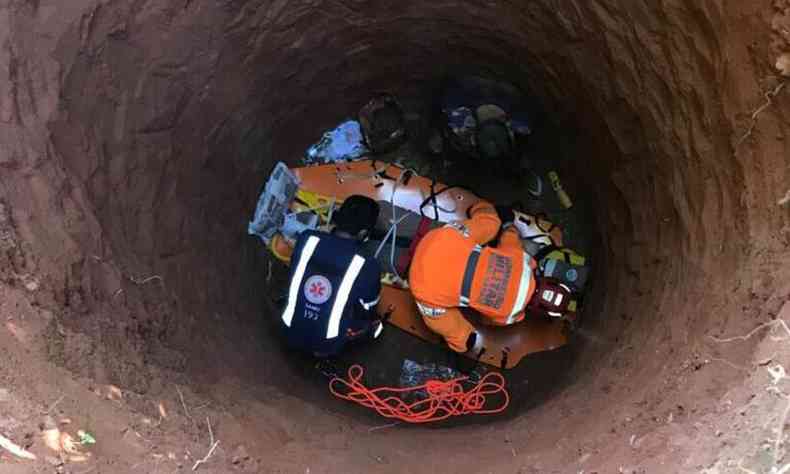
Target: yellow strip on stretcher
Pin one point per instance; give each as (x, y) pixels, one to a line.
(306, 200)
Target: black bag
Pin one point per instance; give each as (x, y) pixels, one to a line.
(383, 124)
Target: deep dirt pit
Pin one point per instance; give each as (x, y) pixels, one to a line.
(134, 137)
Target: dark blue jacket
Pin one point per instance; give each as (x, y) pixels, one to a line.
(333, 293)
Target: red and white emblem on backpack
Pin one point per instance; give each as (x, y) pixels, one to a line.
(318, 289)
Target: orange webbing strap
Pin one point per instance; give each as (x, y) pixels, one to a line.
(445, 399)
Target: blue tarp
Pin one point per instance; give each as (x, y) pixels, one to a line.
(344, 143)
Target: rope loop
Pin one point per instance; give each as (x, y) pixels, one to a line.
(445, 398)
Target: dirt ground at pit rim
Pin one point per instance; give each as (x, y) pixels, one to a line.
(131, 137)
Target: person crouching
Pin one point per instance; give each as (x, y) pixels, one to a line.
(334, 290)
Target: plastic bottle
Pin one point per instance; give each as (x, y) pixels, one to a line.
(565, 200)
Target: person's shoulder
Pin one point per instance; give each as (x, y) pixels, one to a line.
(311, 233)
(302, 238)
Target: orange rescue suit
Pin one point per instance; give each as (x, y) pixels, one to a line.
(498, 281)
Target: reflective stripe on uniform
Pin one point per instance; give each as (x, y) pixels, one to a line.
(378, 330)
(296, 281)
(333, 329)
(469, 275)
(523, 288)
(430, 311)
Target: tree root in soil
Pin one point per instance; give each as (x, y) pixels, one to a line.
(212, 446)
(778, 373)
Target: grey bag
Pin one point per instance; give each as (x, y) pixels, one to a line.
(272, 209)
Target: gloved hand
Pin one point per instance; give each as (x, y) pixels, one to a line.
(505, 213)
(521, 224)
(474, 342)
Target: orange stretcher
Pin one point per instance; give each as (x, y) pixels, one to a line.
(504, 346)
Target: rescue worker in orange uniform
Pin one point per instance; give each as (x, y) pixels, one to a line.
(453, 268)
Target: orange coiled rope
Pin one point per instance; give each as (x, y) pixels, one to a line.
(445, 399)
